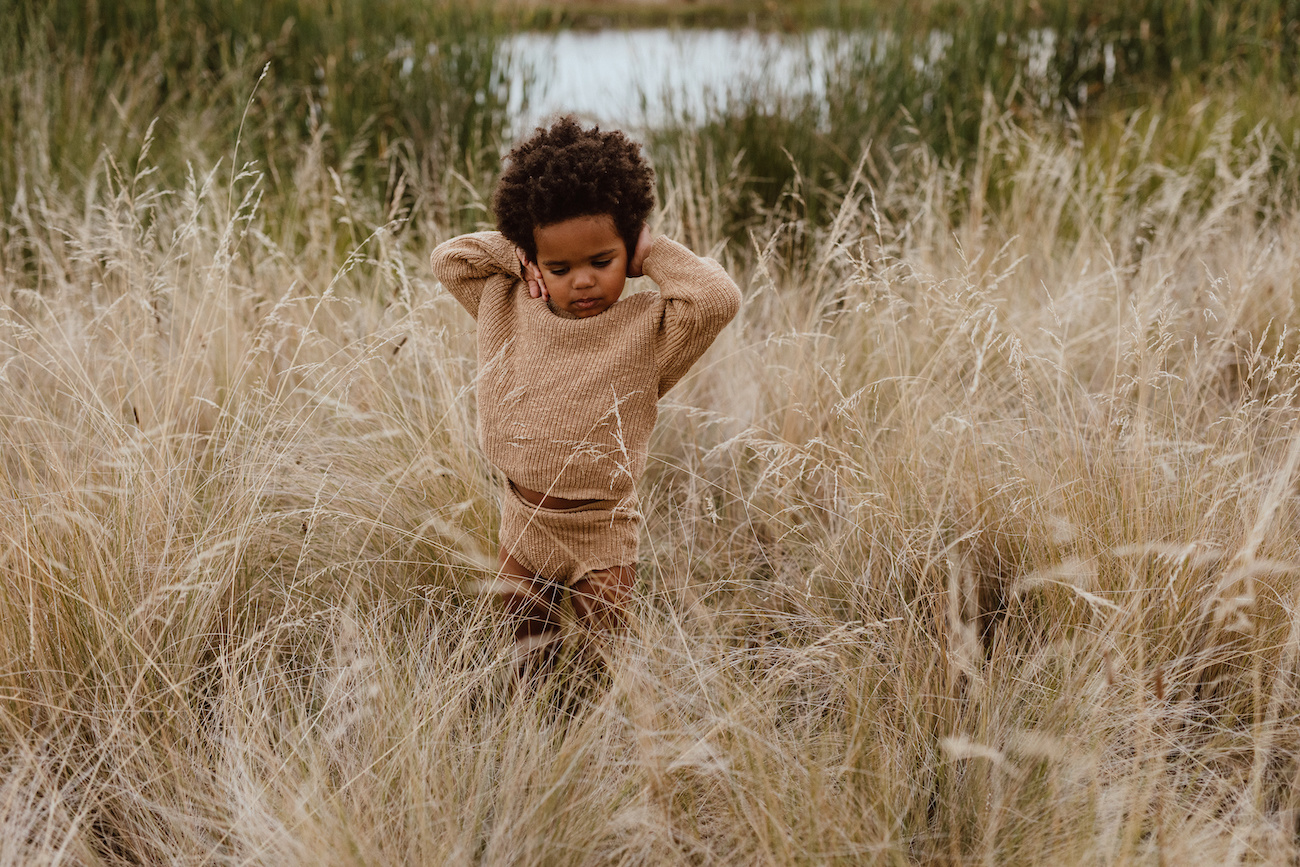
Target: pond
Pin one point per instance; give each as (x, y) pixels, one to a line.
(646, 77)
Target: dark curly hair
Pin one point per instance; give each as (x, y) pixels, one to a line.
(567, 171)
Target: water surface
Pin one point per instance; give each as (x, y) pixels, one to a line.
(645, 77)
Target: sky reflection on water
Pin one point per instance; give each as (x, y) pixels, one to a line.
(645, 77)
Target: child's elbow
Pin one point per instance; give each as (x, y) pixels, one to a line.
(445, 258)
(726, 302)
(438, 262)
(733, 301)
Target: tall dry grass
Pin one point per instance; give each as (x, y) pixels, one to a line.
(973, 540)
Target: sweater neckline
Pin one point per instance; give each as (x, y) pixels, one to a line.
(563, 315)
(542, 310)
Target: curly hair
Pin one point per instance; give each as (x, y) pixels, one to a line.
(567, 171)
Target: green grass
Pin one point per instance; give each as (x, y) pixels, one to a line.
(1203, 69)
(409, 100)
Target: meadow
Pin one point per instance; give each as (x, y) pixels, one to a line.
(973, 540)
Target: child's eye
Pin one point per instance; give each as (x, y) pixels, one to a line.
(601, 263)
(559, 271)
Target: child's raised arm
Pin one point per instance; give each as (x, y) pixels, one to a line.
(466, 264)
(699, 298)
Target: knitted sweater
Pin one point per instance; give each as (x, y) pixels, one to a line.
(566, 406)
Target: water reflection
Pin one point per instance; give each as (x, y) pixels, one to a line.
(645, 77)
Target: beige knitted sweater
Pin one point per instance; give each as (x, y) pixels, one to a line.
(566, 406)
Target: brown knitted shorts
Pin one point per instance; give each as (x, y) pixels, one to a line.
(563, 545)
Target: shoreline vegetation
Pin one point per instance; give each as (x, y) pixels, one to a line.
(422, 92)
(974, 539)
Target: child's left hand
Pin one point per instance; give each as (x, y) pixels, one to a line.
(636, 265)
(532, 275)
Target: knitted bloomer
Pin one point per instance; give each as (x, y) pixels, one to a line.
(563, 545)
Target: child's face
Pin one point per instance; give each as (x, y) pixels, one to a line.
(583, 262)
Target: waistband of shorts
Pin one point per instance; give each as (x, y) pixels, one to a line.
(593, 506)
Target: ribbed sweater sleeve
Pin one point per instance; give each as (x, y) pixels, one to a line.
(465, 264)
(699, 299)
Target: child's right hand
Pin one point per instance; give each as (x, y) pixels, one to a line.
(532, 275)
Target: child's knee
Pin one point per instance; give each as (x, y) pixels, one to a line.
(525, 595)
(602, 595)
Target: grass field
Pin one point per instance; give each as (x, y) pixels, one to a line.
(972, 540)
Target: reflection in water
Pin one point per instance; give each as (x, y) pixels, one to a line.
(645, 77)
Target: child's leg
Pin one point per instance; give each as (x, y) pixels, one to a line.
(600, 598)
(533, 603)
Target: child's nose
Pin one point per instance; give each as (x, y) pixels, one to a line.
(584, 278)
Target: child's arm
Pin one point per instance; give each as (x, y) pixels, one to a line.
(465, 264)
(699, 300)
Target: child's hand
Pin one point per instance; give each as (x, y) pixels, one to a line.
(635, 265)
(532, 275)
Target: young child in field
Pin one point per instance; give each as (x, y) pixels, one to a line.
(570, 375)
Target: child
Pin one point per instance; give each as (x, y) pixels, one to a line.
(569, 374)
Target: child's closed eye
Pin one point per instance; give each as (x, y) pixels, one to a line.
(596, 263)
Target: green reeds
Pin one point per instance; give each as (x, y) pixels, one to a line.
(410, 100)
(935, 74)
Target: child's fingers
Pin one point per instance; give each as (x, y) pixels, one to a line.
(636, 264)
(532, 276)
(536, 285)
